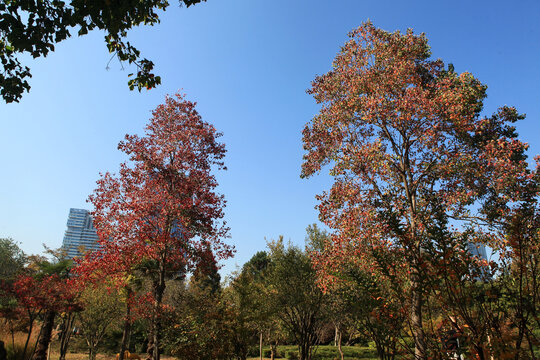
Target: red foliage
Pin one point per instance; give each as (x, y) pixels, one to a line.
(50, 293)
(161, 210)
(162, 205)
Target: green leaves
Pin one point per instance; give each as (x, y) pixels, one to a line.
(12, 259)
(35, 26)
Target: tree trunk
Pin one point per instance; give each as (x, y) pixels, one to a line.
(65, 335)
(91, 353)
(30, 329)
(261, 345)
(304, 351)
(416, 314)
(127, 325)
(531, 346)
(45, 338)
(273, 350)
(12, 332)
(339, 345)
(159, 289)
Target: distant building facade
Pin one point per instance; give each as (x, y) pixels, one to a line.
(477, 249)
(80, 236)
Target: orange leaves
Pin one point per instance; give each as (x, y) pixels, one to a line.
(396, 126)
(410, 153)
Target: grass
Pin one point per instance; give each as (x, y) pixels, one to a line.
(326, 352)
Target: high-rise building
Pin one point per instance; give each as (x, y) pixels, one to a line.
(80, 236)
(477, 249)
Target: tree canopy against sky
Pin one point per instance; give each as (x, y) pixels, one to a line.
(35, 26)
(247, 64)
(407, 145)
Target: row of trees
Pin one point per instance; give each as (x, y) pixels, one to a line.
(273, 299)
(277, 298)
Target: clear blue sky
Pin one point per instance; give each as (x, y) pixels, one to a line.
(247, 63)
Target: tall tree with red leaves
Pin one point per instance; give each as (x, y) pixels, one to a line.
(161, 211)
(407, 146)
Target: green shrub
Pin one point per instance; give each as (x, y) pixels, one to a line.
(268, 353)
(253, 351)
(292, 355)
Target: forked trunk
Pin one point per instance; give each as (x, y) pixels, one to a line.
(30, 329)
(305, 351)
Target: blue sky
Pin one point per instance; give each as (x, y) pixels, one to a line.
(247, 63)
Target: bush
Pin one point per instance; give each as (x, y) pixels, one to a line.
(292, 355)
(253, 351)
(268, 353)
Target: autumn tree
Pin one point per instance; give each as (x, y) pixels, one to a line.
(124, 271)
(34, 27)
(406, 144)
(43, 290)
(337, 309)
(520, 273)
(367, 303)
(162, 208)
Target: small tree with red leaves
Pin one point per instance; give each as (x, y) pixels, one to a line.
(44, 290)
(161, 210)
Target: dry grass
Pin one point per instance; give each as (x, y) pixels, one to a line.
(19, 337)
(81, 356)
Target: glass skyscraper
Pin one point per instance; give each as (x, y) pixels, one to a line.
(80, 236)
(477, 249)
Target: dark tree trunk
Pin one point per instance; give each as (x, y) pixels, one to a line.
(30, 328)
(45, 337)
(65, 335)
(92, 353)
(261, 345)
(155, 335)
(127, 325)
(304, 351)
